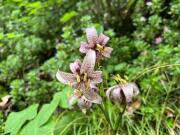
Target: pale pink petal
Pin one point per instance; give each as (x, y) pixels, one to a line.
(92, 36)
(72, 100)
(130, 90)
(103, 39)
(83, 103)
(93, 87)
(96, 77)
(107, 52)
(76, 66)
(88, 62)
(135, 89)
(92, 96)
(108, 92)
(117, 94)
(66, 78)
(84, 47)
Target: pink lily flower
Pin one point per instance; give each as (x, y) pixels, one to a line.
(118, 93)
(97, 43)
(83, 77)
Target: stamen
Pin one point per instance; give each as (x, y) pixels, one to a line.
(99, 48)
(78, 78)
(78, 93)
(85, 77)
(119, 79)
(88, 84)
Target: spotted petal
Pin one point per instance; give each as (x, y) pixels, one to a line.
(108, 92)
(83, 103)
(88, 62)
(92, 96)
(92, 36)
(135, 89)
(130, 90)
(117, 94)
(96, 77)
(103, 39)
(66, 78)
(84, 47)
(107, 51)
(76, 66)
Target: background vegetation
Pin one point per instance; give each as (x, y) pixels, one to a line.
(39, 36)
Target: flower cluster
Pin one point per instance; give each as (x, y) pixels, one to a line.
(84, 78)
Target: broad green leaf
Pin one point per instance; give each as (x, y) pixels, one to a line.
(66, 17)
(47, 109)
(16, 119)
(36, 126)
(32, 128)
(63, 102)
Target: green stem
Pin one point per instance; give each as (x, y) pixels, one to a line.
(107, 117)
(117, 125)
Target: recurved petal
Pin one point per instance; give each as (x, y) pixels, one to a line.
(88, 62)
(103, 39)
(92, 36)
(83, 103)
(84, 47)
(96, 77)
(128, 92)
(107, 51)
(117, 94)
(66, 78)
(75, 66)
(108, 92)
(135, 89)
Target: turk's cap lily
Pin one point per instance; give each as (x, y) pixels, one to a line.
(97, 43)
(83, 74)
(126, 92)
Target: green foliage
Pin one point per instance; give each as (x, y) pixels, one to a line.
(39, 123)
(16, 120)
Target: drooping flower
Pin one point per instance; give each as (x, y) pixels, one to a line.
(125, 92)
(83, 76)
(97, 43)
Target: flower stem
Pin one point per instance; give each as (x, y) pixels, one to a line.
(119, 119)
(107, 117)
